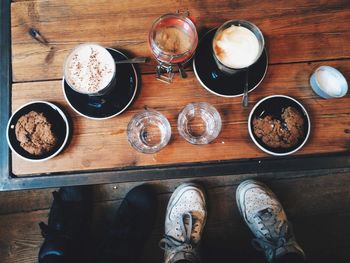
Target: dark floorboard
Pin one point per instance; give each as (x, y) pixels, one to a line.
(317, 202)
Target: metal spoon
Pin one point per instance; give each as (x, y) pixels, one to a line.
(245, 91)
(136, 60)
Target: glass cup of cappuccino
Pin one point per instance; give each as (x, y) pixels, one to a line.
(237, 44)
(173, 40)
(90, 69)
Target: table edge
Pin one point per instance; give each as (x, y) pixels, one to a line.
(5, 84)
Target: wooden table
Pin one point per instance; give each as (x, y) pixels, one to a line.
(300, 36)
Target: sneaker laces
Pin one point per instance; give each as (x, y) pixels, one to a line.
(169, 243)
(275, 238)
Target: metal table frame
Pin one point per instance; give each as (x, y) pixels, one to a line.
(8, 181)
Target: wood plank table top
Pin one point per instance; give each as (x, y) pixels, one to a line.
(300, 35)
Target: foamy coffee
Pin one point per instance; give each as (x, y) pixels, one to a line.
(236, 47)
(89, 69)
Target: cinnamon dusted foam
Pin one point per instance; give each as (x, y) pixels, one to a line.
(89, 68)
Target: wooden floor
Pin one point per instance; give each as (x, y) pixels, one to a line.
(317, 202)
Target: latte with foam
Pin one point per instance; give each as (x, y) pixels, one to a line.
(89, 69)
(236, 47)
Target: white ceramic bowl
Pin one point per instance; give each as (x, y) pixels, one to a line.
(57, 118)
(273, 105)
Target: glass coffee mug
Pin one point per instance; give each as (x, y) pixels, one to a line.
(173, 40)
(237, 44)
(90, 69)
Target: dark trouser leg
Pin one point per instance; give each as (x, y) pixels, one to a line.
(54, 259)
(290, 258)
(67, 226)
(132, 227)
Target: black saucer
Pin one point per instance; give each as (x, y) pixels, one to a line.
(111, 104)
(221, 84)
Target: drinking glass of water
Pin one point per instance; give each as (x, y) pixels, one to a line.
(199, 123)
(149, 131)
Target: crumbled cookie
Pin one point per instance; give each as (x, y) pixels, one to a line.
(280, 134)
(35, 134)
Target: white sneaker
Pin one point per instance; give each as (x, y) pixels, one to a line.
(265, 217)
(184, 223)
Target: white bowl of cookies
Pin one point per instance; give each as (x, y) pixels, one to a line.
(38, 131)
(279, 125)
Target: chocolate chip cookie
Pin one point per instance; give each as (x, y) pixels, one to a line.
(284, 133)
(35, 133)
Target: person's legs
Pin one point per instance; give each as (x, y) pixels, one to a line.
(184, 223)
(65, 232)
(131, 227)
(265, 217)
(53, 259)
(290, 258)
